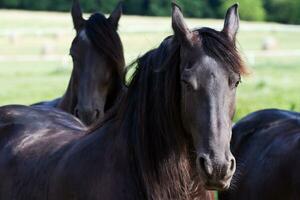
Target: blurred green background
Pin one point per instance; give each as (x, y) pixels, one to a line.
(285, 11)
(35, 65)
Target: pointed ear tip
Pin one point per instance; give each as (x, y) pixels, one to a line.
(120, 4)
(76, 5)
(175, 6)
(236, 5)
(119, 7)
(233, 9)
(75, 2)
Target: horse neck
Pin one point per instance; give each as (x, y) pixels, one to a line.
(68, 101)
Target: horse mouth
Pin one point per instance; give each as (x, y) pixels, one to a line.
(219, 186)
(214, 183)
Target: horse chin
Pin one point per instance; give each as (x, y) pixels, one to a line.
(219, 186)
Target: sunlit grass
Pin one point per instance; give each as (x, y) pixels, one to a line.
(272, 85)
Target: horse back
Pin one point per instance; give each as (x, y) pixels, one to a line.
(256, 122)
(54, 103)
(31, 146)
(266, 145)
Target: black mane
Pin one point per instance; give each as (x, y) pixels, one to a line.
(106, 39)
(156, 138)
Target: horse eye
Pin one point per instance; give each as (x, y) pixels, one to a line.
(234, 81)
(237, 83)
(187, 85)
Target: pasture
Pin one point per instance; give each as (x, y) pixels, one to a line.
(35, 66)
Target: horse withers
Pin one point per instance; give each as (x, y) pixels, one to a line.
(169, 138)
(98, 61)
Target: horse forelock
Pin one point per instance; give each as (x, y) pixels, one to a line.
(217, 45)
(106, 40)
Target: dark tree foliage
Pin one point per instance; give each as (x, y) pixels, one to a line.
(9, 3)
(251, 10)
(192, 8)
(285, 11)
(137, 7)
(159, 7)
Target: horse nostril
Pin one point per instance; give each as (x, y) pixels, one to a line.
(77, 113)
(205, 167)
(232, 164)
(97, 113)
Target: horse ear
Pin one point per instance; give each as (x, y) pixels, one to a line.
(76, 12)
(232, 22)
(115, 16)
(179, 26)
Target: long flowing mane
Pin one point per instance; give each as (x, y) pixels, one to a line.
(156, 139)
(162, 154)
(106, 40)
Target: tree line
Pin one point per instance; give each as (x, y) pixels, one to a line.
(284, 11)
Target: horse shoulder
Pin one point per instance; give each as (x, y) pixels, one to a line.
(95, 168)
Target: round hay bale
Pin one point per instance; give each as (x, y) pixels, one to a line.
(13, 38)
(269, 43)
(48, 49)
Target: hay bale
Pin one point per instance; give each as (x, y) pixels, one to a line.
(13, 38)
(269, 43)
(48, 49)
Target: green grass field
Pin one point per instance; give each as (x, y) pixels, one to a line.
(273, 83)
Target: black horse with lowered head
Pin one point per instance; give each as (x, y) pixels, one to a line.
(169, 138)
(266, 145)
(98, 63)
